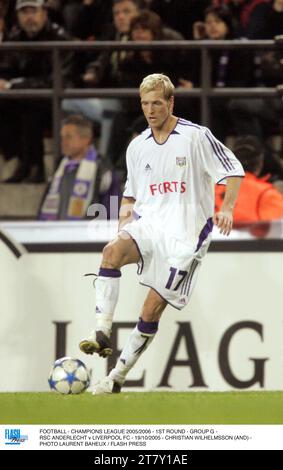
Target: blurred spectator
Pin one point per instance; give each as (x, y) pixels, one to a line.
(78, 181)
(8, 8)
(104, 72)
(92, 19)
(217, 25)
(241, 11)
(3, 28)
(8, 143)
(137, 126)
(146, 26)
(263, 117)
(227, 69)
(180, 14)
(258, 199)
(266, 20)
(54, 10)
(26, 121)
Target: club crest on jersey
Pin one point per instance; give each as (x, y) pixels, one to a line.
(181, 161)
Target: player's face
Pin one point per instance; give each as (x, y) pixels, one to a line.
(156, 108)
(73, 144)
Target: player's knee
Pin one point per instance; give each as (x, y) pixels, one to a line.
(111, 257)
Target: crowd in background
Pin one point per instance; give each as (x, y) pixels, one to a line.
(24, 123)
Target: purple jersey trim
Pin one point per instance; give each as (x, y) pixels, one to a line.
(172, 132)
(204, 233)
(216, 145)
(184, 122)
(216, 152)
(223, 153)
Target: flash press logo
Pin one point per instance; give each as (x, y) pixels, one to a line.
(13, 437)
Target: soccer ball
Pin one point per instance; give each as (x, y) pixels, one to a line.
(69, 375)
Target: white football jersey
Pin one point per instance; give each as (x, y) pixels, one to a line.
(173, 183)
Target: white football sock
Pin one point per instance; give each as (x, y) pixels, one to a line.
(107, 293)
(137, 343)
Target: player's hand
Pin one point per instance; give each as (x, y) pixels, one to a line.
(224, 221)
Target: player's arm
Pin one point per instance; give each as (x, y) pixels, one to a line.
(224, 217)
(126, 211)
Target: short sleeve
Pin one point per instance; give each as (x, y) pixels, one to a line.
(130, 186)
(218, 161)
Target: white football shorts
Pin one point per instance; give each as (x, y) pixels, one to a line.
(167, 265)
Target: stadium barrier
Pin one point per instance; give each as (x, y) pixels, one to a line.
(205, 92)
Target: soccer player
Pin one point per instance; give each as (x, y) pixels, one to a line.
(169, 194)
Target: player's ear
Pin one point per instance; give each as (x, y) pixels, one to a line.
(171, 103)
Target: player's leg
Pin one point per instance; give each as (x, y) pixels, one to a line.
(138, 341)
(116, 254)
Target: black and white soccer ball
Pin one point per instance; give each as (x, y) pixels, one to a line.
(69, 376)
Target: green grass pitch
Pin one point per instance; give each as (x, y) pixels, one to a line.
(143, 408)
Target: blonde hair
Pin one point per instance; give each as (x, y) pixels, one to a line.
(155, 81)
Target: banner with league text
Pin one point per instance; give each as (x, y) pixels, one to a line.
(229, 337)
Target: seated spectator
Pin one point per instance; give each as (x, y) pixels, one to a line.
(104, 72)
(226, 64)
(8, 143)
(138, 125)
(227, 69)
(258, 199)
(266, 20)
(26, 120)
(263, 116)
(88, 19)
(241, 11)
(180, 14)
(3, 27)
(78, 181)
(146, 26)
(8, 7)
(54, 10)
